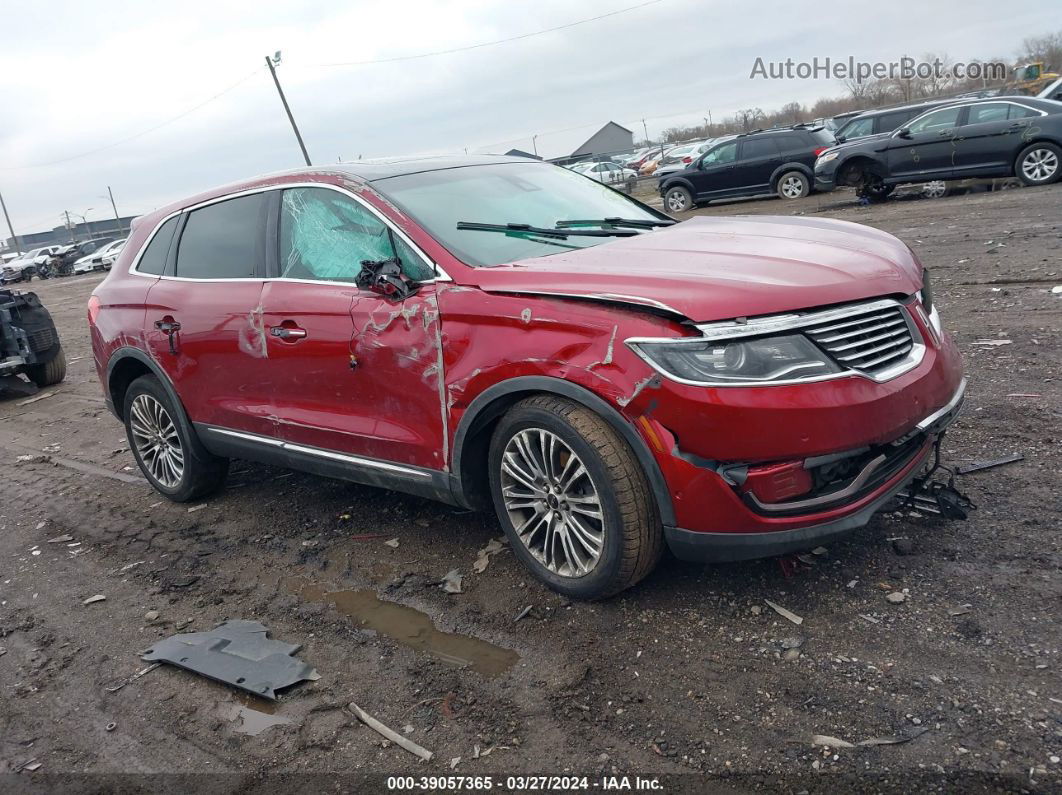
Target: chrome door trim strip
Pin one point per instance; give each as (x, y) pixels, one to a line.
(356, 460)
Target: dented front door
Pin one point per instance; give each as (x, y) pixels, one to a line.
(355, 373)
(351, 371)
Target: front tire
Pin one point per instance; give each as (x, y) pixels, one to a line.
(793, 185)
(572, 499)
(50, 373)
(678, 199)
(166, 447)
(1039, 164)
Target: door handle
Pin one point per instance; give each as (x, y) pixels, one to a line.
(169, 327)
(287, 333)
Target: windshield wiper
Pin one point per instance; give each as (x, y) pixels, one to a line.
(527, 229)
(633, 223)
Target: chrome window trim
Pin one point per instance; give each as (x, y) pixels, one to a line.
(961, 105)
(441, 274)
(756, 327)
(356, 460)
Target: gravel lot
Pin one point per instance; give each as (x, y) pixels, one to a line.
(690, 676)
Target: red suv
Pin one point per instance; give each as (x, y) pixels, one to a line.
(497, 331)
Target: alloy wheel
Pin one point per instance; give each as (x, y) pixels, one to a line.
(1040, 165)
(552, 502)
(935, 189)
(156, 439)
(676, 202)
(792, 187)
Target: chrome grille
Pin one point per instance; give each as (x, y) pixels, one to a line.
(870, 341)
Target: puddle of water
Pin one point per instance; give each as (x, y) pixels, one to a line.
(411, 628)
(250, 720)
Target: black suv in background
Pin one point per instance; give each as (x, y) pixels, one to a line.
(884, 120)
(992, 137)
(763, 161)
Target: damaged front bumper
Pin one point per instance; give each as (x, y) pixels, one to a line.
(880, 479)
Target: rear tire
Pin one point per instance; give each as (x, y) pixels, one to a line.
(50, 373)
(793, 185)
(576, 506)
(165, 445)
(678, 200)
(1039, 164)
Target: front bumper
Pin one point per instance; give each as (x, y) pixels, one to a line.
(713, 546)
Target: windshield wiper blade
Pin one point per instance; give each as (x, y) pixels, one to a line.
(527, 229)
(633, 223)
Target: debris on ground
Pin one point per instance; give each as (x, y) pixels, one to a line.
(237, 653)
(93, 599)
(33, 459)
(110, 726)
(992, 343)
(403, 742)
(896, 597)
(455, 762)
(523, 613)
(29, 766)
(493, 547)
(199, 507)
(61, 539)
(151, 615)
(35, 398)
(979, 466)
(1057, 289)
(393, 543)
(903, 546)
(961, 610)
(143, 671)
(784, 613)
(895, 739)
(451, 583)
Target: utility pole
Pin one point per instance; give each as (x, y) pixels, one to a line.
(271, 62)
(69, 228)
(534, 144)
(646, 130)
(14, 237)
(115, 208)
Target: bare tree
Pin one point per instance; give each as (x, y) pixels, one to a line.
(791, 113)
(749, 118)
(1046, 49)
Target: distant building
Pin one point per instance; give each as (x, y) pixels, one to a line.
(61, 235)
(573, 145)
(521, 153)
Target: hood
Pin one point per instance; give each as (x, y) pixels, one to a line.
(708, 269)
(865, 139)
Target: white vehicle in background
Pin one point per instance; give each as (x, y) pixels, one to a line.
(1053, 91)
(609, 173)
(681, 157)
(101, 259)
(22, 268)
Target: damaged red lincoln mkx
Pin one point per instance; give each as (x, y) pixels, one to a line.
(499, 332)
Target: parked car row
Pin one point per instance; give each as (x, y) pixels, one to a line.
(51, 261)
(1011, 140)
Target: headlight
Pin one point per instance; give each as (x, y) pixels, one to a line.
(826, 158)
(763, 360)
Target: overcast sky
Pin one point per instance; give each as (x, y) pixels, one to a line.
(75, 77)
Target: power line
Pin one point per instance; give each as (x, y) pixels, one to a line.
(481, 45)
(134, 136)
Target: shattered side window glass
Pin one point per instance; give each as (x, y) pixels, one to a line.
(324, 235)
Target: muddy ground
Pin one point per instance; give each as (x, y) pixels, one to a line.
(689, 675)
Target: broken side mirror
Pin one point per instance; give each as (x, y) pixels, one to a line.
(384, 277)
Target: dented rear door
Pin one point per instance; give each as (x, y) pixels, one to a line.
(202, 324)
